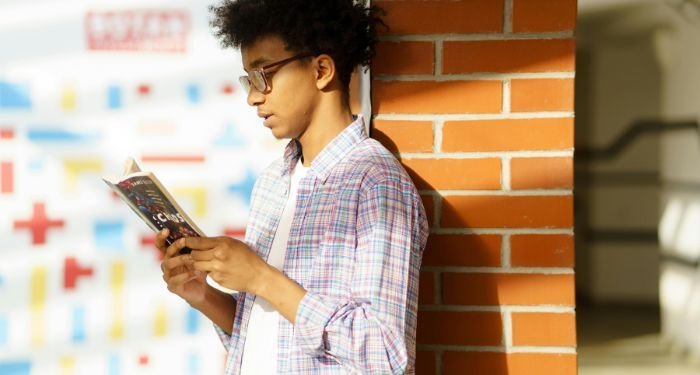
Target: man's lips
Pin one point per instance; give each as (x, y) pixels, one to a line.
(266, 119)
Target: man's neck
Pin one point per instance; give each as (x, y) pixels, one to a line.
(325, 125)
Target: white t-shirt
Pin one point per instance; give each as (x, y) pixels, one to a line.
(260, 351)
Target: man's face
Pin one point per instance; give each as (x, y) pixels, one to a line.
(289, 104)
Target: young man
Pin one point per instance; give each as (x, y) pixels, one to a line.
(328, 272)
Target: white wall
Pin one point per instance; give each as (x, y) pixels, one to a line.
(679, 229)
(619, 79)
(672, 36)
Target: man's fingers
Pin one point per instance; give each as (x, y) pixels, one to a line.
(170, 264)
(203, 266)
(202, 255)
(194, 243)
(200, 243)
(174, 248)
(160, 239)
(177, 281)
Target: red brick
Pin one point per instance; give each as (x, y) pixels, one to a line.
(459, 328)
(465, 250)
(539, 95)
(507, 289)
(404, 58)
(542, 250)
(426, 362)
(544, 329)
(442, 16)
(508, 135)
(505, 56)
(542, 173)
(426, 288)
(404, 136)
(492, 363)
(544, 15)
(437, 97)
(507, 211)
(456, 174)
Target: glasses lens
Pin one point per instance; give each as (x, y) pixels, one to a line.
(257, 79)
(245, 82)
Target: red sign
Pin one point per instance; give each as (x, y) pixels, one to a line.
(138, 30)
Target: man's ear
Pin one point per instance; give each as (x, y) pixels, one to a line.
(325, 71)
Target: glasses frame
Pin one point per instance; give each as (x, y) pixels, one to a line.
(247, 82)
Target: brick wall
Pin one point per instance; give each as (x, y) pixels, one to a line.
(476, 98)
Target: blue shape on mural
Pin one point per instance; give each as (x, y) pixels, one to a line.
(193, 94)
(192, 321)
(113, 364)
(35, 165)
(114, 97)
(109, 235)
(229, 137)
(14, 96)
(15, 368)
(193, 365)
(59, 135)
(3, 331)
(79, 325)
(245, 187)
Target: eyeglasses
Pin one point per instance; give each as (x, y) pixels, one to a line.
(257, 78)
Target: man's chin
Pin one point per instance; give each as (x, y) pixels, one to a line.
(279, 134)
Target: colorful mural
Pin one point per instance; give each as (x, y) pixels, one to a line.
(83, 86)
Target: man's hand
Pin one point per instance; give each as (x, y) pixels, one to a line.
(228, 261)
(179, 273)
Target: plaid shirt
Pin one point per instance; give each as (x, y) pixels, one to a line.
(355, 244)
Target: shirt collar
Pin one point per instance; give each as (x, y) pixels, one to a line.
(334, 151)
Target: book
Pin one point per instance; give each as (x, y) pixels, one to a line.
(151, 201)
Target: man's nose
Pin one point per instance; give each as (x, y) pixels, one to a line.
(255, 97)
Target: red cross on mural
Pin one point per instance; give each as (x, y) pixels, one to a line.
(39, 224)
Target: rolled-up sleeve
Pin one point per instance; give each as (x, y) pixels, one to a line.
(373, 331)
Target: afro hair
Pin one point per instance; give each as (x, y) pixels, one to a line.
(343, 29)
